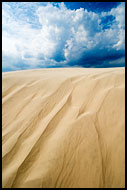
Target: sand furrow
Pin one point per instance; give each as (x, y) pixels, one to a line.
(42, 136)
(18, 144)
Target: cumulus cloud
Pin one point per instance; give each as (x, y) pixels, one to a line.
(45, 35)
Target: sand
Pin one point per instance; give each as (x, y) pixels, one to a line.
(63, 128)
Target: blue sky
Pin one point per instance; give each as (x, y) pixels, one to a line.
(62, 34)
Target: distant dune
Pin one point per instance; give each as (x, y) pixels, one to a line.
(63, 128)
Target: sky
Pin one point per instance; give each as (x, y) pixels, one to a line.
(62, 34)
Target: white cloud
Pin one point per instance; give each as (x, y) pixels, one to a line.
(63, 35)
(119, 13)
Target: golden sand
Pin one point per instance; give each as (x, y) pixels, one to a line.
(63, 128)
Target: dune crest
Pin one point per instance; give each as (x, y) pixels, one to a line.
(63, 128)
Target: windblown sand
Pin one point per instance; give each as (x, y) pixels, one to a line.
(63, 128)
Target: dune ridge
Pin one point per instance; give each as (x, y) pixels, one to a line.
(63, 128)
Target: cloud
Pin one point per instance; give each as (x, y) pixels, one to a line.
(45, 35)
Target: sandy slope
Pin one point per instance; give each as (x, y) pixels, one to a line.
(63, 128)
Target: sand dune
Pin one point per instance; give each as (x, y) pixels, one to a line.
(63, 128)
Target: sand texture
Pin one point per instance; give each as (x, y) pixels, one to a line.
(63, 128)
